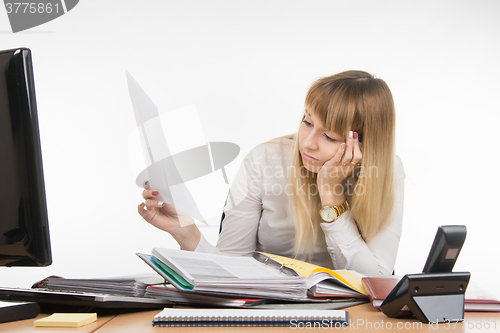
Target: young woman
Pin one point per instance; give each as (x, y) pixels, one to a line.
(332, 194)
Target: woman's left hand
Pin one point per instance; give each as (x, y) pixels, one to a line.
(334, 171)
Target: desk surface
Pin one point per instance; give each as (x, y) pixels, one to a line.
(364, 318)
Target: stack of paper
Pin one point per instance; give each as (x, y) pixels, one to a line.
(134, 286)
(194, 298)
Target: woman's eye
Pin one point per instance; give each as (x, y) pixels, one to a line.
(306, 122)
(329, 138)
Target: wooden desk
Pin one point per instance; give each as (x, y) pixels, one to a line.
(363, 318)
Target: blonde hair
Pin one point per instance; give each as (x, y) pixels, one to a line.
(357, 101)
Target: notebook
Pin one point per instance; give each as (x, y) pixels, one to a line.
(252, 317)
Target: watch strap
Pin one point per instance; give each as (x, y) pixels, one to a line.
(341, 209)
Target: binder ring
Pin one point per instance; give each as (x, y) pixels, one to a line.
(282, 266)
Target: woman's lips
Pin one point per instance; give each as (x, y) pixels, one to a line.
(308, 158)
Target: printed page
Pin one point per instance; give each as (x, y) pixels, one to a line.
(202, 266)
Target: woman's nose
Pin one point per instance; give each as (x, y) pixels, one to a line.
(310, 141)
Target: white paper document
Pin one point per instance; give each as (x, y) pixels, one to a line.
(244, 275)
(171, 166)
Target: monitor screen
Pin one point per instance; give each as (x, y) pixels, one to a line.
(24, 229)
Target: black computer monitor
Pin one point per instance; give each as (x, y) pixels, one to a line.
(24, 227)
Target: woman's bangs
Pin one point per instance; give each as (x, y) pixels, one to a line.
(339, 119)
(317, 102)
(336, 105)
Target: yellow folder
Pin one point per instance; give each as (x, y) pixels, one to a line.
(307, 269)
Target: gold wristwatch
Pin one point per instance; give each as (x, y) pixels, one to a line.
(331, 214)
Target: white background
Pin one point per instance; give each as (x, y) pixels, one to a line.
(247, 66)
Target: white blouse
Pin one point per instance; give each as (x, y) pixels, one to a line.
(258, 217)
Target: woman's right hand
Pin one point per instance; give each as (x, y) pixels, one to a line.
(158, 213)
(167, 218)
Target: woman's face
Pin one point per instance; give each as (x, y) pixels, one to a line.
(316, 144)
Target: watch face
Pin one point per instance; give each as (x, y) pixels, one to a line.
(328, 214)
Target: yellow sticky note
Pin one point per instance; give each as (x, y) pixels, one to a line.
(67, 320)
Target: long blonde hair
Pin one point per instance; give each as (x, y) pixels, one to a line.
(357, 101)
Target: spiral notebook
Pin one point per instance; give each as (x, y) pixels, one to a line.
(251, 317)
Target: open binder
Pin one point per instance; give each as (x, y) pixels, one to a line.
(261, 276)
(226, 275)
(321, 281)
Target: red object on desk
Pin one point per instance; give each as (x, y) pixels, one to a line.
(377, 288)
(476, 299)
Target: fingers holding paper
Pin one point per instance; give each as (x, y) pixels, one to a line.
(167, 218)
(160, 214)
(150, 202)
